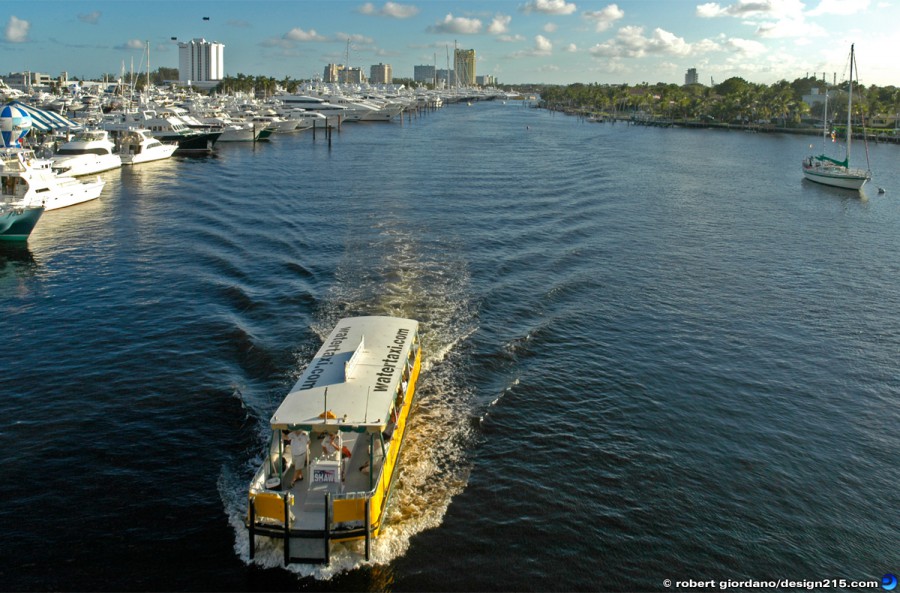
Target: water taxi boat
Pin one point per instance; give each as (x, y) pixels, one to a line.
(357, 393)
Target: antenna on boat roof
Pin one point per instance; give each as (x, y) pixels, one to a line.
(368, 391)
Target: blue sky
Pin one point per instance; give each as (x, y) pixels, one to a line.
(517, 41)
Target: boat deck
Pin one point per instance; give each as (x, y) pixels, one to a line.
(308, 508)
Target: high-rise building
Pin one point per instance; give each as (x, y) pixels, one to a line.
(444, 77)
(464, 66)
(351, 75)
(691, 76)
(423, 74)
(201, 61)
(381, 74)
(332, 72)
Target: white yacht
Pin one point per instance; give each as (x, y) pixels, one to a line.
(271, 121)
(32, 182)
(368, 109)
(89, 152)
(165, 126)
(231, 130)
(303, 118)
(333, 112)
(137, 145)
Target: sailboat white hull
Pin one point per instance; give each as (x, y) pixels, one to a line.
(836, 176)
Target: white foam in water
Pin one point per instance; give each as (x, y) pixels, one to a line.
(390, 274)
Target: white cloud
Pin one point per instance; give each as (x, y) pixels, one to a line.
(298, 34)
(548, 7)
(571, 48)
(705, 46)
(752, 8)
(16, 30)
(133, 44)
(353, 37)
(550, 28)
(542, 46)
(90, 18)
(510, 38)
(778, 18)
(630, 42)
(460, 25)
(399, 11)
(840, 7)
(500, 24)
(604, 19)
(745, 47)
(390, 9)
(789, 28)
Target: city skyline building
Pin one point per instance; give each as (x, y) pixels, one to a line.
(332, 72)
(691, 76)
(381, 73)
(351, 75)
(424, 73)
(464, 67)
(200, 60)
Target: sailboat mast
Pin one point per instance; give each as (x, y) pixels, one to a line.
(825, 120)
(148, 65)
(849, 107)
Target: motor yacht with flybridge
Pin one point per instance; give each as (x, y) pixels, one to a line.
(30, 181)
(89, 152)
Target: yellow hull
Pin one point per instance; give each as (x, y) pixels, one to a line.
(354, 509)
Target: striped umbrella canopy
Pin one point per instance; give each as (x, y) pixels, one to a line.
(46, 121)
(14, 124)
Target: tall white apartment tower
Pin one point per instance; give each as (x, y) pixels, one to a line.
(201, 61)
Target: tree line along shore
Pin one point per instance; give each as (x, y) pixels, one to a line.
(796, 107)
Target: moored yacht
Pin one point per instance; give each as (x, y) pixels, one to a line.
(334, 113)
(90, 151)
(231, 130)
(31, 182)
(166, 127)
(137, 145)
(17, 218)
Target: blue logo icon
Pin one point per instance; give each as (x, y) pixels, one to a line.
(889, 582)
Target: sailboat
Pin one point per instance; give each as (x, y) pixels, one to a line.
(828, 171)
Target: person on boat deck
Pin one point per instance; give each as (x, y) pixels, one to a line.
(330, 445)
(299, 452)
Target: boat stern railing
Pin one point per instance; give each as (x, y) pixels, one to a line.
(270, 509)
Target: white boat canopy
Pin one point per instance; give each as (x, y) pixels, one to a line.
(354, 378)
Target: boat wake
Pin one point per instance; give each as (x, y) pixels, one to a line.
(392, 273)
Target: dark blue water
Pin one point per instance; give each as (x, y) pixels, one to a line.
(650, 354)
